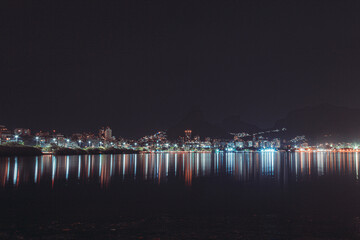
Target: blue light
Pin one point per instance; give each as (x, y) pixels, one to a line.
(268, 150)
(15, 171)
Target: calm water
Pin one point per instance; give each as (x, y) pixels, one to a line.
(178, 195)
(167, 168)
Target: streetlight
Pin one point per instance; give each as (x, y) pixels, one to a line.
(16, 137)
(89, 143)
(37, 140)
(79, 143)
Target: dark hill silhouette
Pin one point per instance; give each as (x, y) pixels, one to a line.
(324, 121)
(234, 124)
(195, 121)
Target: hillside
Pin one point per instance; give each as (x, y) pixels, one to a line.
(323, 122)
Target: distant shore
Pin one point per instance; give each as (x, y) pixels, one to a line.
(22, 150)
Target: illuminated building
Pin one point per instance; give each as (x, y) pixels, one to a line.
(42, 134)
(5, 134)
(188, 135)
(22, 132)
(102, 133)
(108, 133)
(3, 131)
(276, 143)
(239, 144)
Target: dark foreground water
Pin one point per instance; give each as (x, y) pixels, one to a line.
(181, 196)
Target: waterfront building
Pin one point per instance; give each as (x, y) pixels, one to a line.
(5, 134)
(3, 129)
(239, 144)
(276, 143)
(188, 135)
(108, 134)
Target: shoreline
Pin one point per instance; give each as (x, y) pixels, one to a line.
(24, 150)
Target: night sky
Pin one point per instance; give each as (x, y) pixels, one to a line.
(139, 66)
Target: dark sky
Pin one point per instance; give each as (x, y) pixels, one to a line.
(141, 65)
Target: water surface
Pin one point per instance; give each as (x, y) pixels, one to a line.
(160, 168)
(181, 195)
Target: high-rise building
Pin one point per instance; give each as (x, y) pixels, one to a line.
(108, 133)
(188, 135)
(102, 133)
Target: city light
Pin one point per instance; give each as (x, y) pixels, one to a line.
(159, 142)
(268, 150)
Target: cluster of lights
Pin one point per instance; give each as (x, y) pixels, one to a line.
(268, 150)
(327, 150)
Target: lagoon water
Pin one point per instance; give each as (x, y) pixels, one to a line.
(271, 195)
(107, 171)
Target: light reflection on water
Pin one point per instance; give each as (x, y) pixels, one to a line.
(277, 168)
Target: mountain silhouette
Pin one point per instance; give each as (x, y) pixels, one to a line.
(323, 122)
(234, 124)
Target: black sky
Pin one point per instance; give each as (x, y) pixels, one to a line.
(140, 65)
